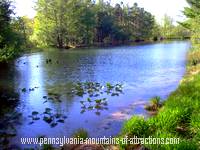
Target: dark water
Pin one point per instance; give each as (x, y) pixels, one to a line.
(145, 71)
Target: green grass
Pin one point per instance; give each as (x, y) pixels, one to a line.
(80, 133)
(155, 104)
(179, 117)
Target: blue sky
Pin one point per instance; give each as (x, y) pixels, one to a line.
(158, 8)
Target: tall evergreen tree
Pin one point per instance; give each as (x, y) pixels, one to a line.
(193, 13)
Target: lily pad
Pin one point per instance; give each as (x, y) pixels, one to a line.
(61, 120)
(98, 101)
(58, 115)
(45, 97)
(24, 90)
(47, 119)
(53, 124)
(82, 111)
(90, 107)
(35, 113)
(30, 122)
(48, 110)
(37, 118)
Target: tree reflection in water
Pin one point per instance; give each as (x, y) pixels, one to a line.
(9, 116)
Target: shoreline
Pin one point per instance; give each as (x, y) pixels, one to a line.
(177, 118)
(132, 43)
(41, 49)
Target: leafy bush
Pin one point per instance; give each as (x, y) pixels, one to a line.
(194, 58)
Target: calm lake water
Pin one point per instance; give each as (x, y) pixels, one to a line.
(144, 70)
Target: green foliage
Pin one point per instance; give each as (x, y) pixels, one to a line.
(24, 27)
(182, 145)
(10, 41)
(156, 32)
(180, 32)
(48, 116)
(179, 118)
(167, 27)
(94, 92)
(193, 13)
(155, 104)
(170, 31)
(47, 147)
(80, 133)
(62, 23)
(136, 126)
(194, 58)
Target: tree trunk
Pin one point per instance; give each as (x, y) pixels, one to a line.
(59, 42)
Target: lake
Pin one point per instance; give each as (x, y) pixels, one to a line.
(45, 80)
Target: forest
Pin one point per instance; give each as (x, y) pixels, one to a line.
(75, 23)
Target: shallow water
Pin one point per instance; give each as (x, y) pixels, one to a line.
(144, 70)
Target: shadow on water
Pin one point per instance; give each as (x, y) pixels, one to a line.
(9, 100)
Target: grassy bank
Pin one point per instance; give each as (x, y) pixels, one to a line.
(178, 118)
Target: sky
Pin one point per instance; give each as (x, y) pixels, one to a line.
(158, 8)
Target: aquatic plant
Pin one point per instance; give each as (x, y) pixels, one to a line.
(155, 104)
(95, 89)
(80, 133)
(54, 97)
(35, 115)
(94, 92)
(24, 90)
(48, 116)
(94, 105)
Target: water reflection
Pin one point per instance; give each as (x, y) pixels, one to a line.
(145, 71)
(10, 117)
